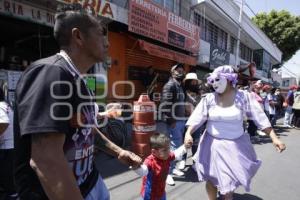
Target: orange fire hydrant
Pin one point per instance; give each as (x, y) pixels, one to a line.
(143, 125)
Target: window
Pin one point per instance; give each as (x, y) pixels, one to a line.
(286, 83)
(213, 34)
(169, 4)
(245, 52)
(233, 44)
(258, 58)
(203, 24)
(160, 2)
(210, 32)
(121, 3)
(222, 39)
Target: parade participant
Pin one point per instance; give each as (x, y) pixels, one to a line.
(55, 116)
(156, 167)
(289, 101)
(296, 110)
(269, 104)
(225, 158)
(280, 101)
(256, 88)
(191, 85)
(7, 188)
(173, 106)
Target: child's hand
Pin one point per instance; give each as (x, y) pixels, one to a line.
(187, 146)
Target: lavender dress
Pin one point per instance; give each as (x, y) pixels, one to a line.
(225, 155)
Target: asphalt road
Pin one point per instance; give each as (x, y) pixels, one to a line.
(277, 179)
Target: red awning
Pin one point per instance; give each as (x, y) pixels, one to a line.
(162, 52)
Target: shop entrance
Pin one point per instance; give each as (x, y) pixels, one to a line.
(22, 42)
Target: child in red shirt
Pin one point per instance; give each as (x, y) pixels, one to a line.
(156, 167)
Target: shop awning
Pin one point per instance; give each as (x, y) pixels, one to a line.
(162, 52)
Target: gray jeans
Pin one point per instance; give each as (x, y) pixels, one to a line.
(287, 115)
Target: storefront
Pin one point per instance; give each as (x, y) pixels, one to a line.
(155, 37)
(134, 46)
(130, 58)
(26, 35)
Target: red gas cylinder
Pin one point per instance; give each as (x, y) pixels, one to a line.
(143, 125)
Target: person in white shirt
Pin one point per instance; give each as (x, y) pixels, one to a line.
(269, 105)
(7, 190)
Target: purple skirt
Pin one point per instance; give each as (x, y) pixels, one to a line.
(227, 164)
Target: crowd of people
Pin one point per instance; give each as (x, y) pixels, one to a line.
(53, 155)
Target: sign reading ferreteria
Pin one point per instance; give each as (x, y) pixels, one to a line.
(104, 8)
(150, 20)
(218, 57)
(47, 17)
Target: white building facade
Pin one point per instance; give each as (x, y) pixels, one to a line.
(219, 22)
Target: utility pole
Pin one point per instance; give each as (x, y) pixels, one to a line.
(237, 60)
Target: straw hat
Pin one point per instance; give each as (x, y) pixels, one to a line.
(191, 76)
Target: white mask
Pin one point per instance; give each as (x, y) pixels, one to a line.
(220, 84)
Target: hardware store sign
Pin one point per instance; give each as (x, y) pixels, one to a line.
(150, 20)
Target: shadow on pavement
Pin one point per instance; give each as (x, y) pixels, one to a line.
(190, 175)
(245, 197)
(108, 166)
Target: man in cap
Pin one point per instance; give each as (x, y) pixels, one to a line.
(173, 113)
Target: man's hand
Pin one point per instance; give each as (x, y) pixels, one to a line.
(130, 158)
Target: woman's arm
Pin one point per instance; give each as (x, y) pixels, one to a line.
(279, 145)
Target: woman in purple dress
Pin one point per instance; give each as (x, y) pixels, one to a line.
(225, 158)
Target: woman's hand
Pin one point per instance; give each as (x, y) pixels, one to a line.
(188, 140)
(279, 145)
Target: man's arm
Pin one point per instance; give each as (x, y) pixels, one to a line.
(51, 167)
(3, 127)
(124, 156)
